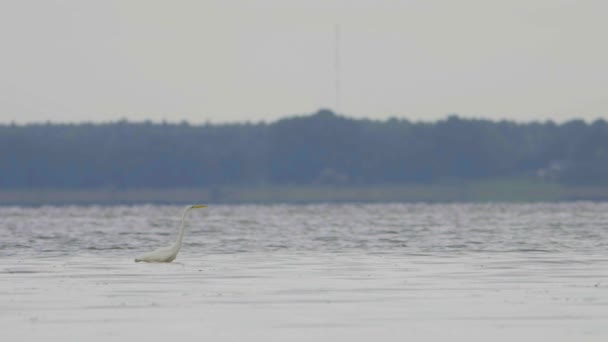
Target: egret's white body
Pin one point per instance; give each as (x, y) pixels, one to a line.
(168, 254)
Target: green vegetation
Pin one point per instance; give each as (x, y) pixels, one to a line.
(319, 157)
(476, 191)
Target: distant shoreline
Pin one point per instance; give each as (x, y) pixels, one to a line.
(477, 191)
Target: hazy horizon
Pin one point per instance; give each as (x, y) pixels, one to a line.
(75, 62)
(177, 121)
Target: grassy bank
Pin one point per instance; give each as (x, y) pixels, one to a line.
(480, 191)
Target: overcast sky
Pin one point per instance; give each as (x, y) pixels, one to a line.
(226, 61)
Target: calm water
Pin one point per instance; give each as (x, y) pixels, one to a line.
(474, 272)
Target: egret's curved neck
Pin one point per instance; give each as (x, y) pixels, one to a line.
(180, 237)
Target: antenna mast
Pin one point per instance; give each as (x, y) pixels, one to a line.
(337, 65)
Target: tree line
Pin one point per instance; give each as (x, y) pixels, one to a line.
(321, 148)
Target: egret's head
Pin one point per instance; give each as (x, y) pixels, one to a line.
(195, 206)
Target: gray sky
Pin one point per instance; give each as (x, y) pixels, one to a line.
(224, 61)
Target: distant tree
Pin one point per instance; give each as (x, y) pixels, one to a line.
(322, 148)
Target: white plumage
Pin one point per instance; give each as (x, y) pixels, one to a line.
(168, 253)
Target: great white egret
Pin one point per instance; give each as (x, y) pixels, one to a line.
(168, 254)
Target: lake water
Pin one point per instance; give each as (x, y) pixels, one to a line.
(391, 272)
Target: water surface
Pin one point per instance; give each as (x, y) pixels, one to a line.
(474, 272)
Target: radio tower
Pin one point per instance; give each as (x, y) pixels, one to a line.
(337, 65)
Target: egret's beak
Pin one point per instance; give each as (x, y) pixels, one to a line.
(199, 206)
